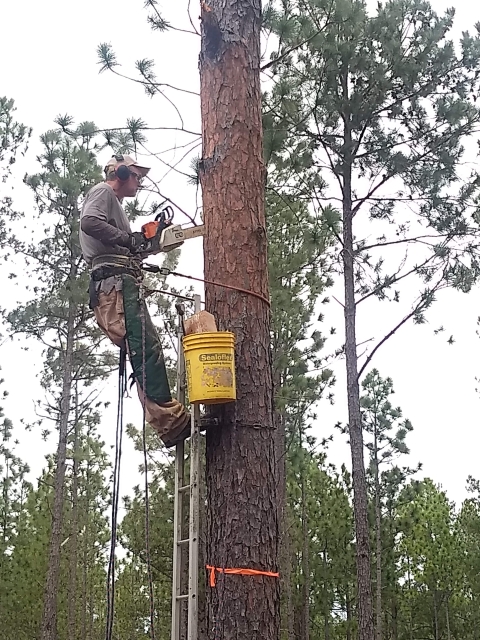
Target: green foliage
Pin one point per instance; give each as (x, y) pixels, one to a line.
(383, 421)
(298, 276)
(13, 137)
(376, 111)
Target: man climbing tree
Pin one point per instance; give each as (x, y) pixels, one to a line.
(241, 490)
(114, 254)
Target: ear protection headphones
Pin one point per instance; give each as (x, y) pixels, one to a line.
(122, 172)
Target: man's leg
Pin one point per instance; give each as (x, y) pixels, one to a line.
(164, 413)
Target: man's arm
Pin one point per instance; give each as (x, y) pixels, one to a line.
(94, 221)
(103, 231)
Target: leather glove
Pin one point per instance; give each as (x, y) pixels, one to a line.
(136, 241)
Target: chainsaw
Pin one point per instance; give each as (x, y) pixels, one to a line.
(162, 236)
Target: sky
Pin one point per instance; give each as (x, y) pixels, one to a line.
(50, 67)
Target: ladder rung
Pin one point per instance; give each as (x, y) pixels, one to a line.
(184, 488)
(184, 597)
(186, 541)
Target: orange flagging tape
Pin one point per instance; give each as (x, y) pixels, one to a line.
(242, 572)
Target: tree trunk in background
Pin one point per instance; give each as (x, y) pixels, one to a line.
(86, 547)
(305, 563)
(73, 560)
(360, 499)
(378, 539)
(49, 618)
(435, 616)
(447, 619)
(284, 552)
(327, 604)
(242, 527)
(348, 607)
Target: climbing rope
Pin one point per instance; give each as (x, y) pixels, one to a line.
(145, 460)
(122, 385)
(164, 271)
(122, 381)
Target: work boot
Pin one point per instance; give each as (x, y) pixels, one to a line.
(178, 434)
(170, 420)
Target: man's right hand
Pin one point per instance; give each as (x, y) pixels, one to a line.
(136, 241)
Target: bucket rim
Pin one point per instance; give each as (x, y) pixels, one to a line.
(209, 334)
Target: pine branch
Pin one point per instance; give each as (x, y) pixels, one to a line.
(415, 310)
(395, 280)
(293, 48)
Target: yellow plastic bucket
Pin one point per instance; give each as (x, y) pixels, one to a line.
(210, 366)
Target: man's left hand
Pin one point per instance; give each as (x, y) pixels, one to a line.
(137, 241)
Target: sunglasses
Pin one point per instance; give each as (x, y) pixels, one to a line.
(138, 177)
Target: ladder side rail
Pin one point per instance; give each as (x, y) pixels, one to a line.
(194, 522)
(178, 552)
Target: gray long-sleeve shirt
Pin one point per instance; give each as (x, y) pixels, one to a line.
(104, 226)
(104, 229)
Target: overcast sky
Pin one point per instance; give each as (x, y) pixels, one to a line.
(49, 67)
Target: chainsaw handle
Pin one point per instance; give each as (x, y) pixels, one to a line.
(162, 216)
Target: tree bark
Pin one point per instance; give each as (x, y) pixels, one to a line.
(49, 618)
(348, 607)
(447, 619)
(378, 537)
(72, 595)
(325, 590)
(242, 523)
(435, 616)
(305, 562)
(86, 545)
(360, 499)
(284, 552)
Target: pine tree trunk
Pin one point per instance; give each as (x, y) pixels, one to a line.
(435, 615)
(447, 620)
(305, 564)
(348, 607)
(360, 499)
(394, 619)
(72, 596)
(284, 553)
(288, 579)
(327, 604)
(378, 539)
(84, 589)
(240, 455)
(49, 618)
(86, 546)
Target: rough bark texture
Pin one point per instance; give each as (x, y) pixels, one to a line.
(348, 607)
(284, 551)
(360, 500)
(49, 618)
(240, 456)
(305, 564)
(86, 546)
(72, 588)
(378, 539)
(327, 602)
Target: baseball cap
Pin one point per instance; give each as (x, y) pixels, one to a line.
(128, 161)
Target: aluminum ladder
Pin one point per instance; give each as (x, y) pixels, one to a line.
(182, 563)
